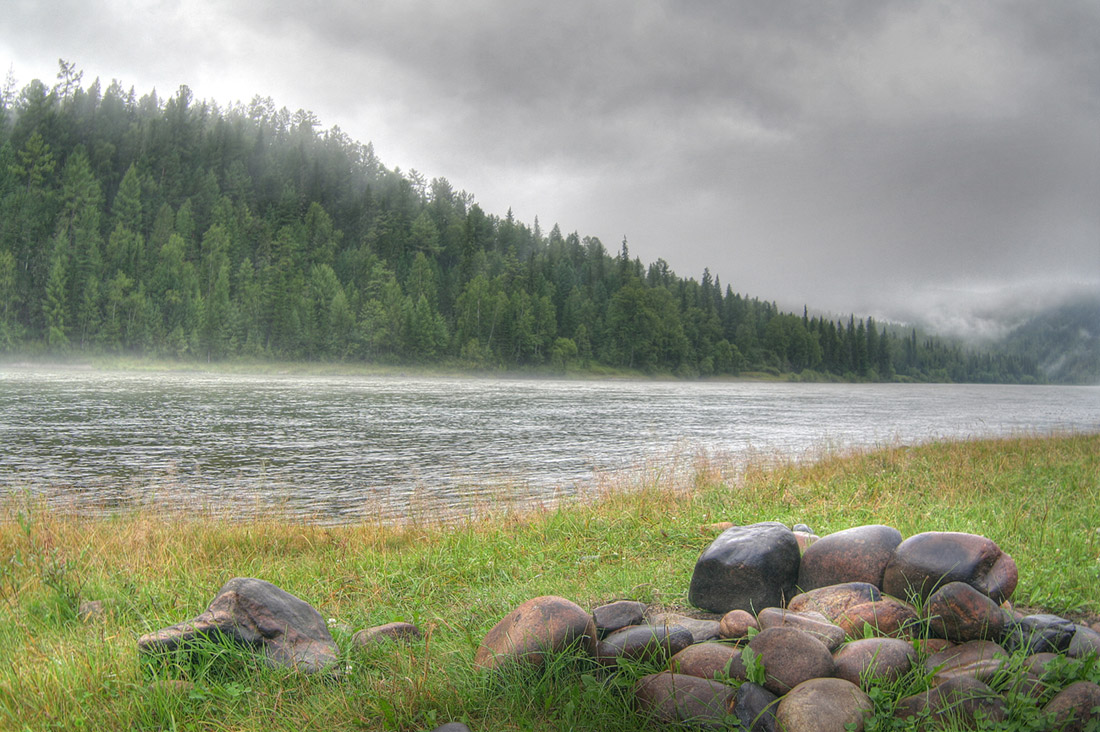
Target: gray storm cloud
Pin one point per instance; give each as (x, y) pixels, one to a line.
(881, 157)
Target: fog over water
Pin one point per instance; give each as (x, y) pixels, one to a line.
(340, 449)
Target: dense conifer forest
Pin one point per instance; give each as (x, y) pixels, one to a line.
(173, 228)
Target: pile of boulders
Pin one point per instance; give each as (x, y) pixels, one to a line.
(796, 630)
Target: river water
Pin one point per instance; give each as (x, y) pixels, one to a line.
(339, 449)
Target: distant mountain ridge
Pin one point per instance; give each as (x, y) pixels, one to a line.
(1064, 340)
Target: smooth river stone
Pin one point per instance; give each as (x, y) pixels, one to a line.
(980, 660)
(824, 705)
(859, 554)
(925, 562)
(886, 617)
(617, 615)
(828, 633)
(746, 568)
(709, 661)
(643, 643)
(539, 626)
(962, 699)
(1075, 707)
(875, 659)
(790, 656)
(960, 613)
(835, 600)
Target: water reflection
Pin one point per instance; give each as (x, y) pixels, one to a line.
(343, 448)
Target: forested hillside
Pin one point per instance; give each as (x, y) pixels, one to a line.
(174, 228)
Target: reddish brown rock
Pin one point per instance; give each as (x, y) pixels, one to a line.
(877, 659)
(1075, 707)
(709, 661)
(979, 660)
(789, 657)
(859, 554)
(539, 626)
(930, 646)
(960, 699)
(824, 705)
(677, 698)
(923, 563)
(960, 613)
(886, 617)
(253, 613)
(828, 633)
(736, 624)
(835, 600)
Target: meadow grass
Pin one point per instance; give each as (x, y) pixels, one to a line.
(1034, 496)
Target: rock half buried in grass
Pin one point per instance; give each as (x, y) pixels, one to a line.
(675, 698)
(251, 612)
(539, 626)
(859, 554)
(1075, 707)
(746, 568)
(960, 701)
(396, 631)
(643, 643)
(875, 659)
(925, 562)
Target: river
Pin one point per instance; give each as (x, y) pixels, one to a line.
(340, 449)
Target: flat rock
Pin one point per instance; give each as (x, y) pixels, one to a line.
(755, 708)
(1075, 707)
(701, 629)
(643, 643)
(962, 699)
(874, 659)
(709, 661)
(746, 568)
(396, 631)
(617, 615)
(251, 612)
(824, 705)
(925, 562)
(539, 626)
(828, 633)
(736, 624)
(835, 600)
(1085, 641)
(958, 612)
(859, 554)
(886, 617)
(790, 656)
(1039, 634)
(979, 660)
(678, 698)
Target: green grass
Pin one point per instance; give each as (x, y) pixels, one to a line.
(1036, 497)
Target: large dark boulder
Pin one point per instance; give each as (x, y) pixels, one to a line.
(925, 562)
(859, 554)
(288, 631)
(746, 568)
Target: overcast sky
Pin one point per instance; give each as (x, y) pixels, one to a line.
(874, 156)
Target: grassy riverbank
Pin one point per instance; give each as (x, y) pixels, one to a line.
(1036, 497)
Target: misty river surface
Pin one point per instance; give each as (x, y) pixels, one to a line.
(339, 449)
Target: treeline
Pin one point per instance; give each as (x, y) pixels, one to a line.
(175, 228)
